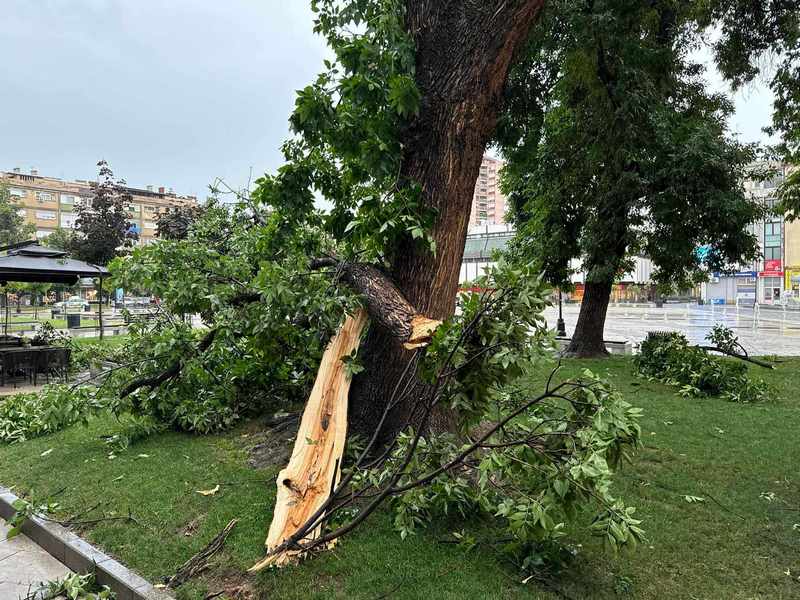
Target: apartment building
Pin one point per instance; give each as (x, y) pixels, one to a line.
(488, 202)
(49, 202)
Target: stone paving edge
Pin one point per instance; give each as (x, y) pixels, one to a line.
(80, 556)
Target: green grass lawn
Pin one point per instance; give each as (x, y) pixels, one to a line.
(737, 544)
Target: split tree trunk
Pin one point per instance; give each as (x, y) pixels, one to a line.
(587, 339)
(464, 52)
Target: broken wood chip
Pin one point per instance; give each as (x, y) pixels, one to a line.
(210, 492)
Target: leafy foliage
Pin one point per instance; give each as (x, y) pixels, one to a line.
(265, 350)
(28, 415)
(347, 127)
(77, 587)
(47, 335)
(668, 357)
(630, 155)
(553, 452)
(102, 228)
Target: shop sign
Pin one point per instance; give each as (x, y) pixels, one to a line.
(772, 268)
(746, 274)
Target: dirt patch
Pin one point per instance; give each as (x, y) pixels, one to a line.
(231, 585)
(272, 446)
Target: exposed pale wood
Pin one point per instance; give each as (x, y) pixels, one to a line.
(422, 328)
(314, 467)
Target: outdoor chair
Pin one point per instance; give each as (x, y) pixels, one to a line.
(16, 365)
(53, 361)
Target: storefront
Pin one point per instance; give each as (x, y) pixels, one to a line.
(731, 288)
(770, 282)
(792, 282)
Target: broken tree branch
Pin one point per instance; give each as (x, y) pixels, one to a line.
(743, 357)
(385, 303)
(200, 561)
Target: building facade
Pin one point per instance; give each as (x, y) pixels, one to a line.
(483, 240)
(488, 202)
(775, 277)
(49, 203)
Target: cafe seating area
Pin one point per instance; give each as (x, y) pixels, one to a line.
(21, 364)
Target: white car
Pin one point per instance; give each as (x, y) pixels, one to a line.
(73, 302)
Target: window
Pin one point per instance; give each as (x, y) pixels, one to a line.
(150, 209)
(68, 199)
(149, 225)
(772, 253)
(45, 215)
(22, 213)
(16, 192)
(43, 197)
(68, 220)
(133, 208)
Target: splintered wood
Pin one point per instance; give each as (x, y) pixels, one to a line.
(313, 469)
(422, 329)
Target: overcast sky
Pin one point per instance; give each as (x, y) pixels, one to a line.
(172, 93)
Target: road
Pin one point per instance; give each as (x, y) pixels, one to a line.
(765, 331)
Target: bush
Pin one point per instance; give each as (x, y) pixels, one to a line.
(669, 358)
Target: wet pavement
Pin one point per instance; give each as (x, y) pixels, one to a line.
(762, 331)
(24, 566)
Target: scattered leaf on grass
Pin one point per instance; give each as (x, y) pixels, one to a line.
(46, 452)
(210, 492)
(693, 499)
(118, 478)
(142, 456)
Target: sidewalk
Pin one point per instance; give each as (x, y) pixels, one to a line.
(24, 565)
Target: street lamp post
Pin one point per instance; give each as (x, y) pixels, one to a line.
(561, 330)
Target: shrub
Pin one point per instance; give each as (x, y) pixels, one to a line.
(668, 357)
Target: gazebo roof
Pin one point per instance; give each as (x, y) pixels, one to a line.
(33, 263)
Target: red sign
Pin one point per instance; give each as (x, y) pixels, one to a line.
(772, 268)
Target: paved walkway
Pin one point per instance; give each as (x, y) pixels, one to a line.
(24, 565)
(767, 331)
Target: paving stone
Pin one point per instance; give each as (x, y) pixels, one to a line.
(24, 565)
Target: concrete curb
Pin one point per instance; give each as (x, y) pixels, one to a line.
(82, 557)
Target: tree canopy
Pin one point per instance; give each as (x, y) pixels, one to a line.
(102, 227)
(628, 156)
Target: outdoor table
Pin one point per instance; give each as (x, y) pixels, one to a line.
(35, 363)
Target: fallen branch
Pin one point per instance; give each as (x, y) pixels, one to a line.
(743, 357)
(200, 561)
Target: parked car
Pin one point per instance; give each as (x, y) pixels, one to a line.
(72, 303)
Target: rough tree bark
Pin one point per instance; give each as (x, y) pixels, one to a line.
(464, 51)
(587, 340)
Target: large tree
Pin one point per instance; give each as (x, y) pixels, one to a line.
(630, 158)
(102, 228)
(392, 134)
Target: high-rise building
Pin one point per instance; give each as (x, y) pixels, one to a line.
(488, 202)
(48, 202)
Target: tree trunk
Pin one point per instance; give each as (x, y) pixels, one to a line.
(464, 52)
(587, 339)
